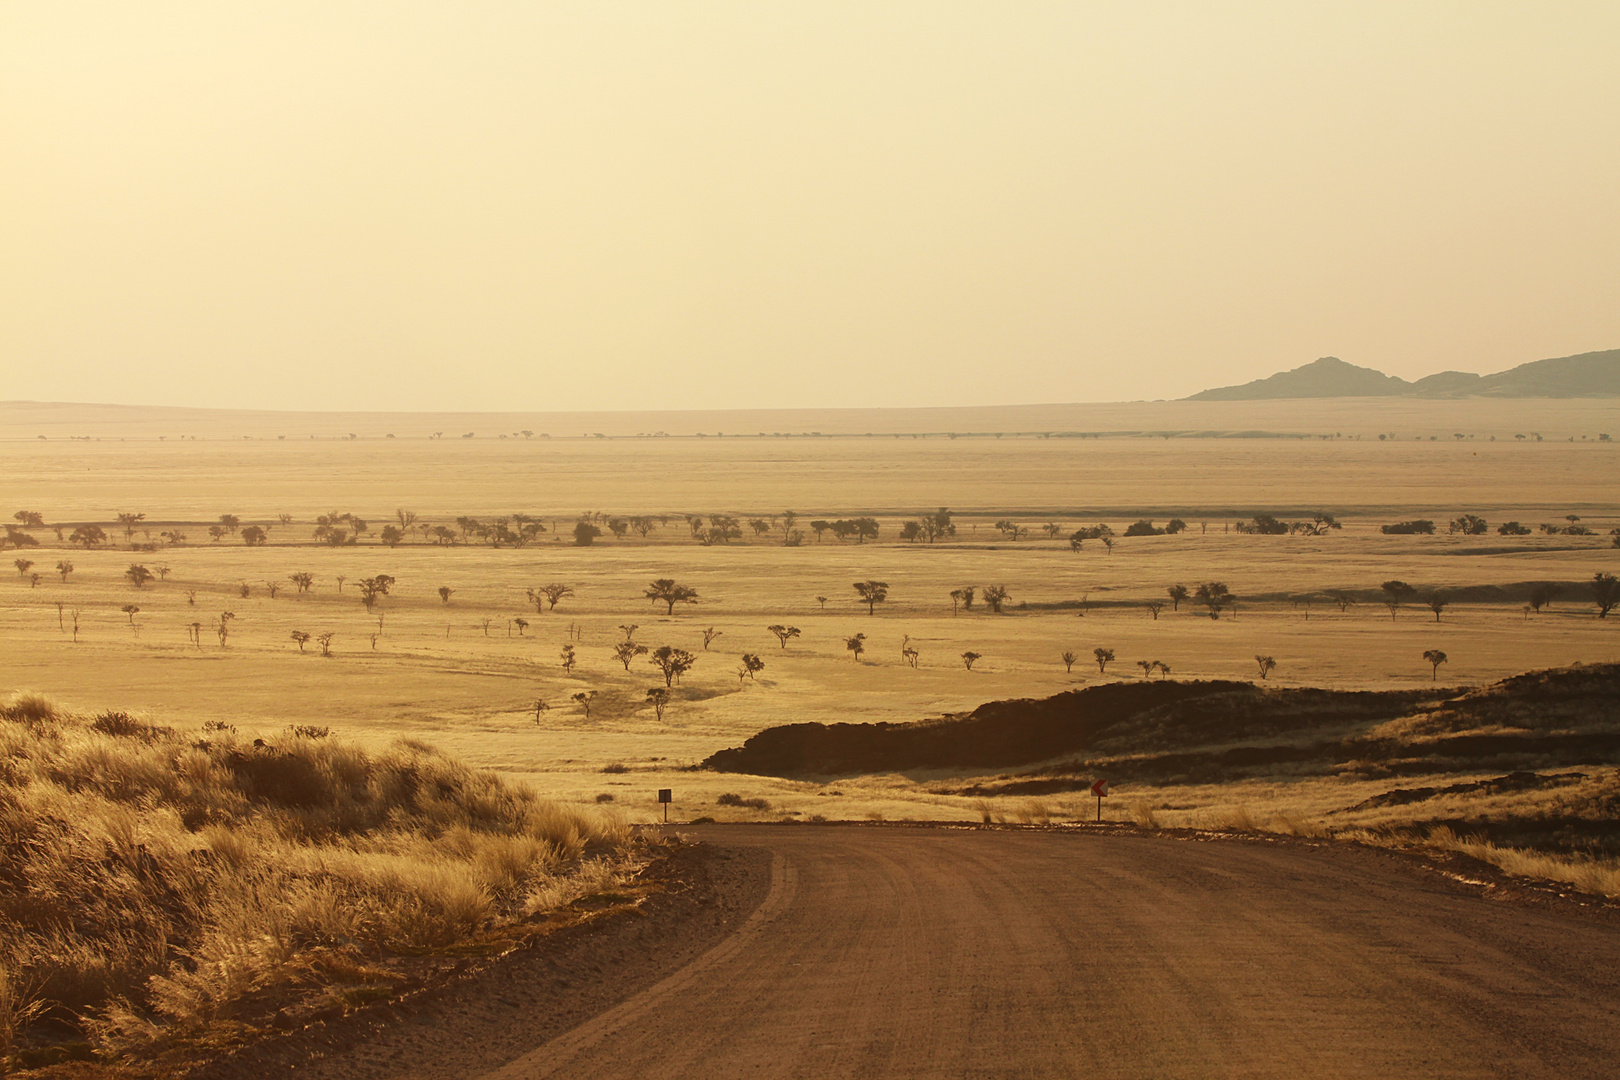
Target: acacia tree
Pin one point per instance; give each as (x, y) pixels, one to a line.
(1177, 594)
(554, 592)
(1068, 662)
(255, 535)
(1162, 668)
(129, 521)
(568, 659)
(585, 697)
(856, 645)
(88, 536)
(709, 634)
(995, 596)
(658, 697)
(1436, 602)
(1605, 592)
(672, 662)
(303, 581)
(301, 638)
(373, 587)
(872, 594)
(138, 575)
(1104, 657)
(1542, 595)
(445, 593)
(1341, 598)
(626, 651)
(784, 634)
(131, 610)
(23, 566)
(1154, 607)
(1435, 658)
(1147, 667)
(64, 568)
(1215, 596)
(1396, 592)
(751, 665)
(970, 657)
(325, 642)
(666, 591)
(963, 596)
(1267, 665)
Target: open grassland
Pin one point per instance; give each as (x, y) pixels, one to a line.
(465, 675)
(163, 891)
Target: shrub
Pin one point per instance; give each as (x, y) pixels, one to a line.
(733, 799)
(1421, 527)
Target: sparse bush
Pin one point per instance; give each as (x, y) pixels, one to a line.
(1421, 527)
(733, 799)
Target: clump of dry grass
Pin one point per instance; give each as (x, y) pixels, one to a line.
(1600, 876)
(152, 882)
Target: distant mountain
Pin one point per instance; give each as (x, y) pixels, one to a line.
(1593, 374)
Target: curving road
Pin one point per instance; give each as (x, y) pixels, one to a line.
(897, 952)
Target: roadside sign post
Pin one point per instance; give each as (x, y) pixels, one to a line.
(1099, 789)
(666, 796)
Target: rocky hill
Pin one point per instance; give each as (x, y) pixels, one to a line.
(1593, 374)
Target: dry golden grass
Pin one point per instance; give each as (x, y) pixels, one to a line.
(155, 881)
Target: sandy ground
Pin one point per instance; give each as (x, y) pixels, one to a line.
(925, 952)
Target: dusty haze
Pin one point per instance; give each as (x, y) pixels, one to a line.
(714, 205)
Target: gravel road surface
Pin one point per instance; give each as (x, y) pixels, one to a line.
(918, 952)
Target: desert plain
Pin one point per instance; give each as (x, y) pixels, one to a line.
(466, 673)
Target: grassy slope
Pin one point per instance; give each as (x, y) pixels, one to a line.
(158, 886)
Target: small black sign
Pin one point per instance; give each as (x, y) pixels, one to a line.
(665, 795)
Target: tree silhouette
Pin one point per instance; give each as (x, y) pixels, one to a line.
(64, 568)
(301, 638)
(1341, 598)
(523, 628)
(856, 645)
(1435, 658)
(995, 596)
(1215, 596)
(1147, 667)
(23, 566)
(1154, 607)
(138, 575)
(1162, 668)
(665, 591)
(872, 594)
(129, 521)
(1177, 594)
(963, 596)
(373, 587)
(1436, 602)
(970, 657)
(445, 593)
(30, 519)
(585, 697)
(751, 666)
(672, 662)
(1068, 662)
(1542, 595)
(553, 592)
(1267, 665)
(1396, 592)
(325, 642)
(585, 534)
(568, 659)
(1605, 592)
(658, 696)
(709, 634)
(626, 651)
(302, 580)
(784, 634)
(540, 706)
(88, 536)
(1104, 657)
(130, 610)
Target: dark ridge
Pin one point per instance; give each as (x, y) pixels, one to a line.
(1593, 374)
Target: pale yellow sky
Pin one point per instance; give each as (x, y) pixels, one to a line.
(768, 204)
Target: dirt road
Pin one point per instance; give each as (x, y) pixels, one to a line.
(895, 952)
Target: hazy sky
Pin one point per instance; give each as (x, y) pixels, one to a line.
(704, 204)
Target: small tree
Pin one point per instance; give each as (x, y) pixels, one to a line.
(138, 575)
(272, 587)
(1605, 592)
(709, 634)
(301, 638)
(751, 666)
(568, 659)
(64, 568)
(872, 593)
(1154, 607)
(1267, 665)
(23, 566)
(540, 707)
(658, 697)
(962, 596)
(131, 610)
(88, 536)
(585, 697)
(1162, 668)
(672, 662)
(585, 534)
(1436, 602)
(665, 591)
(1215, 596)
(392, 535)
(1104, 657)
(995, 596)
(1147, 667)
(523, 627)
(1542, 595)
(129, 521)
(1435, 658)
(302, 581)
(223, 628)
(626, 651)
(445, 592)
(909, 655)
(970, 657)
(822, 600)
(1177, 593)
(373, 587)
(856, 645)
(1068, 662)
(325, 642)
(30, 519)
(1396, 593)
(1341, 598)
(784, 634)
(255, 536)
(553, 592)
